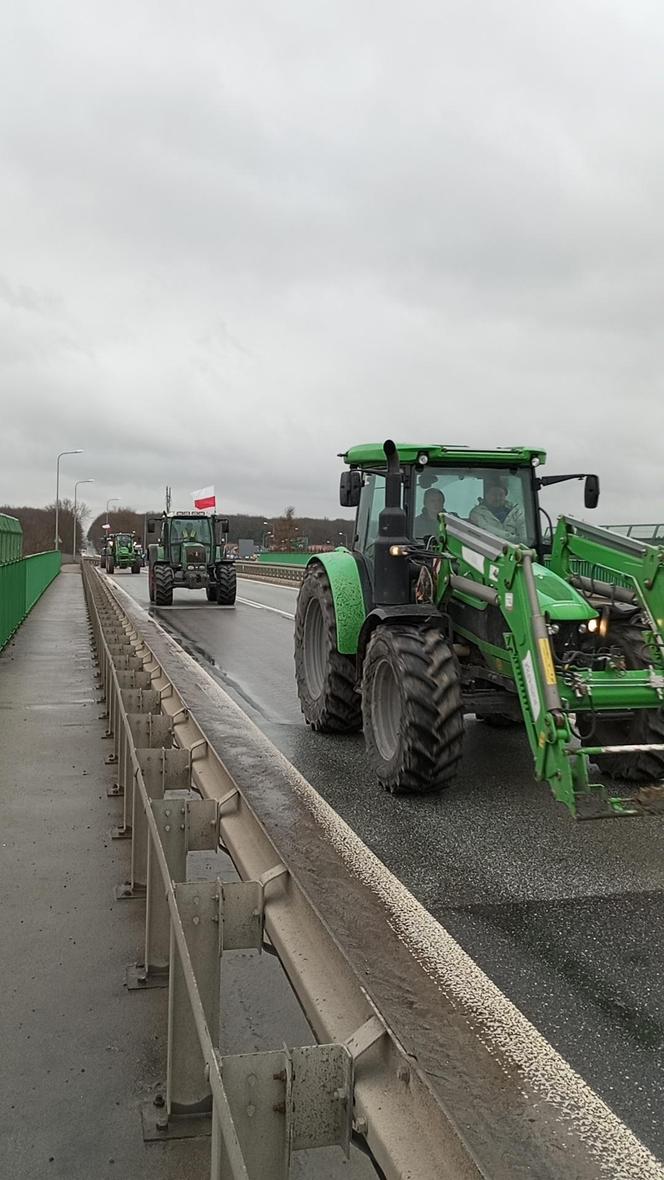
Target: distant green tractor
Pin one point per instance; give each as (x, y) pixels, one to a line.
(186, 550)
(123, 552)
(459, 597)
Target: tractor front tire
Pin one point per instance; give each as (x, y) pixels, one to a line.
(325, 678)
(412, 708)
(135, 569)
(151, 581)
(110, 565)
(226, 585)
(163, 585)
(644, 727)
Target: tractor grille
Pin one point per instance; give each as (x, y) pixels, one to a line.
(195, 555)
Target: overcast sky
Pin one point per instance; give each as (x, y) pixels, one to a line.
(239, 237)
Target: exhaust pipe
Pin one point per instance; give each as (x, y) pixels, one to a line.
(391, 574)
(393, 478)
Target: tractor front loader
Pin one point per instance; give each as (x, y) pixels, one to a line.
(186, 550)
(454, 601)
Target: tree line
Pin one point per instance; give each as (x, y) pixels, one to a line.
(281, 532)
(38, 526)
(286, 531)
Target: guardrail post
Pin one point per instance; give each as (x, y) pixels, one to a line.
(160, 770)
(289, 1100)
(171, 825)
(147, 729)
(188, 1093)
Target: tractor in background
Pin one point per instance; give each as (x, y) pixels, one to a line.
(187, 550)
(122, 551)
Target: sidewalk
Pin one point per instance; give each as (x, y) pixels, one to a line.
(79, 1054)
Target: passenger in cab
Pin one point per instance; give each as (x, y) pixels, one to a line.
(497, 514)
(426, 524)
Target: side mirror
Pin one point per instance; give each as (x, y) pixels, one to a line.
(591, 491)
(152, 526)
(222, 527)
(350, 489)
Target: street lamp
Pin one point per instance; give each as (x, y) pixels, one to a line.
(111, 500)
(78, 481)
(57, 492)
(266, 524)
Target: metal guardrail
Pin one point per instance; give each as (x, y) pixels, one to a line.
(261, 1107)
(437, 1087)
(650, 533)
(263, 572)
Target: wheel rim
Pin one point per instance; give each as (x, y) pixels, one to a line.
(315, 648)
(386, 710)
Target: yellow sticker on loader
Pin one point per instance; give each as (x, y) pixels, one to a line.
(547, 661)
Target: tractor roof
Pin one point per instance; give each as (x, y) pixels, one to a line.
(369, 454)
(187, 514)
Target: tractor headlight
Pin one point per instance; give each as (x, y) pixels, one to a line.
(398, 551)
(599, 626)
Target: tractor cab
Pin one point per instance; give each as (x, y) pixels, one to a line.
(496, 490)
(190, 540)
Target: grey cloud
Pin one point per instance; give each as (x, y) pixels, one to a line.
(238, 238)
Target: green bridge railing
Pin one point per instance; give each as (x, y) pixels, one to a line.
(23, 580)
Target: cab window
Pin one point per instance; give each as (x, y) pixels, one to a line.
(498, 500)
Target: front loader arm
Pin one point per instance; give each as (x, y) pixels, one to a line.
(475, 562)
(612, 566)
(485, 572)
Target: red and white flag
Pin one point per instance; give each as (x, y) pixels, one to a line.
(205, 499)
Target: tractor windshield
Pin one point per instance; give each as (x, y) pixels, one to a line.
(197, 529)
(499, 500)
(125, 540)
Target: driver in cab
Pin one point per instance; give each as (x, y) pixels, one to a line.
(498, 515)
(426, 524)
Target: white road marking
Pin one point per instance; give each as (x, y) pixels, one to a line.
(262, 606)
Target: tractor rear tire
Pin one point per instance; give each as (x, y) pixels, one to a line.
(412, 708)
(226, 585)
(644, 727)
(163, 585)
(110, 565)
(211, 593)
(325, 678)
(135, 569)
(151, 581)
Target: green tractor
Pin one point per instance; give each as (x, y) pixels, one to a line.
(122, 552)
(459, 597)
(187, 550)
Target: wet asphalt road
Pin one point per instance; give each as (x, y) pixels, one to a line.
(563, 916)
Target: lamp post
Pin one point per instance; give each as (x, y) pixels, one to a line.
(57, 492)
(78, 481)
(266, 524)
(111, 500)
